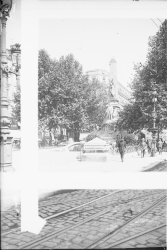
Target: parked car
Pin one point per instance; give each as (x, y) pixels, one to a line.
(72, 147)
(60, 156)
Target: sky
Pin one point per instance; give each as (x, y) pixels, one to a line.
(94, 42)
(13, 27)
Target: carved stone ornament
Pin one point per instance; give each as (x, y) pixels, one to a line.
(5, 122)
(9, 70)
(5, 7)
(5, 68)
(15, 47)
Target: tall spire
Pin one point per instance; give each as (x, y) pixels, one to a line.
(113, 69)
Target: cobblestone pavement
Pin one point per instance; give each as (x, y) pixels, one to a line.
(150, 239)
(156, 217)
(52, 204)
(100, 218)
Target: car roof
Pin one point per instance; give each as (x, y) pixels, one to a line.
(74, 143)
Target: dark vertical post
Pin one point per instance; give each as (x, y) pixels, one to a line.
(5, 139)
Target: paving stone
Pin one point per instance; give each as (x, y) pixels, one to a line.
(56, 240)
(142, 240)
(9, 247)
(48, 244)
(125, 245)
(14, 241)
(96, 228)
(156, 241)
(38, 247)
(156, 234)
(140, 245)
(3, 228)
(77, 240)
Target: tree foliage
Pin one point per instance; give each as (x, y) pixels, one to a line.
(60, 88)
(149, 76)
(131, 118)
(66, 97)
(96, 97)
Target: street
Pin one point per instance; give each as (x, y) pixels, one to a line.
(50, 161)
(93, 219)
(83, 117)
(53, 164)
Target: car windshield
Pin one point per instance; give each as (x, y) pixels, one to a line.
(76, 147)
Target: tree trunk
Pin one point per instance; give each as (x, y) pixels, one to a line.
(76, 135)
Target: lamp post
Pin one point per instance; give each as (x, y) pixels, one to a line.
(154, 129)
(14, 58)
(5, 138)
(14, 54)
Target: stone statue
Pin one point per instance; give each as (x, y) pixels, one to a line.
(109, 112)
(111, 88)
(115, 113)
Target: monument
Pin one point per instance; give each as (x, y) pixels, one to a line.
(5, 138)
(118, 95)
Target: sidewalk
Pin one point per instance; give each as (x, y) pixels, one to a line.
(134, 163)
(111, 163)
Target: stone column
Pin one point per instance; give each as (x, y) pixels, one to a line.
(5, 138)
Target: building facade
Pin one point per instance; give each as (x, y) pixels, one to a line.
(119, 95)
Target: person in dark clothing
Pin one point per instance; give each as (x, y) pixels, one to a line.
(121, 147)
(143, 147)
(148, 142)
(164, 145)
(159, 146)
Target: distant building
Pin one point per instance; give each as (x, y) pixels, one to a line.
(119, 95)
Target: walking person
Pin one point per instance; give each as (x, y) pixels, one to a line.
(121, 148)
(148, 146)
(153, 147)
(137, 148)
(164, 145)
(159, 146)
(143, 147)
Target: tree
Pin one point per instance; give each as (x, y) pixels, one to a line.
(61, 100)
(151, 75)
(67, 98)
(96, 103)
(44, 64)
(131, 118)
